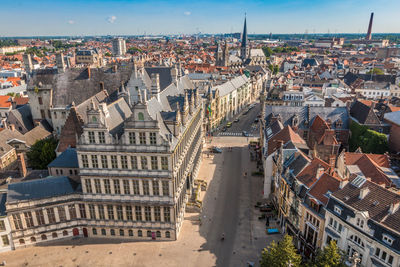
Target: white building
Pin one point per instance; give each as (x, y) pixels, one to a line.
(118, 47)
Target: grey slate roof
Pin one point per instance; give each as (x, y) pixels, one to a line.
(287, 114)
(393, 117)
(42, 188)
(75, 85)
(67, 159)
(3, 198)
(24, 116)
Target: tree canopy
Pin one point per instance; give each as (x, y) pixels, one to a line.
(42, 153)
(330, 256)
(376, 71)
(280, 254)
(368, 140)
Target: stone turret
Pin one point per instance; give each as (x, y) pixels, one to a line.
(191, 105)
(155, 85)
(28, 63)
(185, 108)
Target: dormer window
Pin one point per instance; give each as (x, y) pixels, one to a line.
(94, 119)
(387, 239)
(337, 210)
(140, 116)
(360, 223)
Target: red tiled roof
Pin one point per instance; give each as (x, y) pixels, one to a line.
(5, 101)
(285, 135)
(309, 174)
(324, 184)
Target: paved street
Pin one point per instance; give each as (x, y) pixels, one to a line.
(228, 208)
(246, 123)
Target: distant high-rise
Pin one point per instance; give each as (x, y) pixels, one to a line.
(369, 33)
(244, 49)
(118, 46)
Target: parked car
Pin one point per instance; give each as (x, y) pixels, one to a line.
(246, 134)
(229, 124)
(236, 120)
(256, 120)
(216, 149)
(224, 129)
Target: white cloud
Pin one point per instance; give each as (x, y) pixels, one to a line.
(71, 22)
(111, 19)
(187, 13)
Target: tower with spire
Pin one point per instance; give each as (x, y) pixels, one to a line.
(244, 49)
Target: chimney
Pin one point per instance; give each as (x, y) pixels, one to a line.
(363, 192)
(369, 33)
(21, 165)
(60, 63)
(332, 161)
(394, 207)
(89, 74)
(12, 127)
(343, 183)
(101, 86)
(320, 171)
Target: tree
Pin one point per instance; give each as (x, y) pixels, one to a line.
(368, 140)
(330, 256)
(42, 153)
(280, 254)
(267, 51)
(276, 69)
(376, 71)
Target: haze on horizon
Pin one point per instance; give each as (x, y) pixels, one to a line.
(132, 17)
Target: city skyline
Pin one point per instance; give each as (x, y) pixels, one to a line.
(104, 17)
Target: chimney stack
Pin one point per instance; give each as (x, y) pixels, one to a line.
(89, 73)
(101, 86)
(369, 33)
(22, 165)
(363, 192)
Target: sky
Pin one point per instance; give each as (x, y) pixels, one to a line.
(135, 17)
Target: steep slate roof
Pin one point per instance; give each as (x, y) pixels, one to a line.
(350, 77)
(75, 85)
(24, 116)
(382, 198)
(42, 188)
(307, 114)
(360, 112)
(67, 159)
(393, 117)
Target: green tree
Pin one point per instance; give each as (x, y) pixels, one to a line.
(368, 140)
(42, 153)
(271, 67)
(280, 254)
(276, 69)
(267, 51)
(330, 256)
(376, 71)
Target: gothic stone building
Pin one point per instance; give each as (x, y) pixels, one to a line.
(138, 158)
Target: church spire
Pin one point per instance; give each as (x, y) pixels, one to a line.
(244, 36)
(244, 49)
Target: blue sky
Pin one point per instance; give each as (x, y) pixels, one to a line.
(120, 17)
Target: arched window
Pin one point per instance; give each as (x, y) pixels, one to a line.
(54, 235)
(158, 234)
(103, 231)
(148, 233)
(21, 241)
(141, 116)
(33, 239)
(121, 232)
(130, 232)
(140, 233)
(94, 231)
(112, 232)
(65, 233)
(167, 234)
(44, 237)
